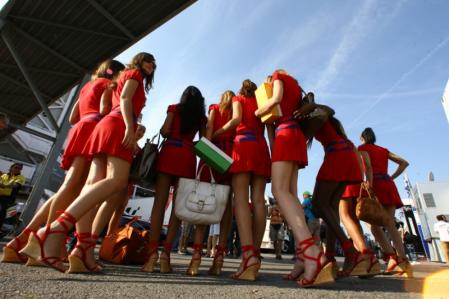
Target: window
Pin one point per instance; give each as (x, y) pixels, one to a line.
(428, 199)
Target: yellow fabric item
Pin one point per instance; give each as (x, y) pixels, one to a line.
(8, 180)
(263, 93)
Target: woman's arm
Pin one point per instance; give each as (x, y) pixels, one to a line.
(106, 101)
(126, 108)
(278, 92)
(75, 113)
(165, 130)
(368, 168)
(402, 164)
(210, 125)
(234, 121)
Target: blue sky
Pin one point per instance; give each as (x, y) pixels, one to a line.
(382, 64)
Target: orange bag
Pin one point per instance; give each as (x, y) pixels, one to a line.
(369, 209)
(128, 245)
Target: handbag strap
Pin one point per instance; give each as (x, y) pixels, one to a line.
(363, 187)
(210, 171)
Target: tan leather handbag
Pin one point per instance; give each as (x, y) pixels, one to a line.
(369, 209)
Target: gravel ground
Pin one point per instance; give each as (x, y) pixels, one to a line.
(18, 281)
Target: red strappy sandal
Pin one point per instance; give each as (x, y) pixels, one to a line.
(217, 264)
(358, 266)
(249, 272)
(11, 250)
(153, 257)
(165, 261)
(298, 268)
(78, 264)
(373, 264)
(35, 247)
(194, 265)
(323, 274)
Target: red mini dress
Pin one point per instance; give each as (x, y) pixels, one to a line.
(108, 135)
(223, 141)
(289, 142)
(383, 185)
(89, 111)
(250, 150)
(340, 160)
(177, 156)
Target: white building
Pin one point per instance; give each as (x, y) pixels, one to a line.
(446, 100)
(433, 199)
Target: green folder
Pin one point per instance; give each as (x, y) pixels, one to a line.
(212, 155)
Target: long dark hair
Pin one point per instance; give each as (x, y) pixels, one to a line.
(136, 63)
(192, 109)
(369, 136)
(338, 127)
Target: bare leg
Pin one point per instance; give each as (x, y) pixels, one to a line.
(73, 183)
(92, 195)
(117, 214)
(283, 172)
(352, 224)
(260, 212)
(107, 209)
(240, 185)
(160, 200)
(394, 234)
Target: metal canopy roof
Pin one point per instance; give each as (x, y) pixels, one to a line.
(46, 47)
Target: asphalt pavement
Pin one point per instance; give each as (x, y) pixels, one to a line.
(120, 281)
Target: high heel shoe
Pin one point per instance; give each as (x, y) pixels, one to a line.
(165, 261)
(11, 250)
(358, 265)
(398, 266)
(78, 264)
(249, 272)
(373, 264)
(35, 247)
(298, 268)
(323, 273)
(153, 257)
(34, 263)
(194, 265)
(217, 264)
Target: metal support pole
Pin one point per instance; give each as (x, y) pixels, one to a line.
(44, 178)
(29, 79)
(32, 132)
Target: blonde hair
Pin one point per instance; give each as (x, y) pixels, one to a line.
(226, 100)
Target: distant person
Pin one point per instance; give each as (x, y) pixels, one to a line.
(442, 228)
(313, 222)
(276, 229)
(388, 195)
(186, 230)
(4, 121)
(8, 182)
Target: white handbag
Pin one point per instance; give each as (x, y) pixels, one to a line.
(199, 202)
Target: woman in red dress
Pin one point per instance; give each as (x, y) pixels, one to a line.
(341, 166)
(388, 196)
(111, 145)
(289, 154)
(93, 103)
(348, 216)
(176, 159)
(219, 115)
(250, 171)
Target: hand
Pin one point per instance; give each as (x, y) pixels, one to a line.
(216, 133)
(129, 140)
(300, 114)
(258, 113)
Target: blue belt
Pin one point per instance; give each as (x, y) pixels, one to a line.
(290, 123)
(92, 117)
(176, 142)
(118, 112)
(247, 136)
(333, 146)
(381, 177)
